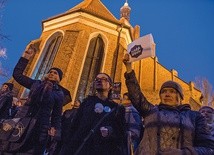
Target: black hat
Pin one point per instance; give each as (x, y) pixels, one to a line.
(175, 85)
(10, 85)
(59, 71)
(206, 107)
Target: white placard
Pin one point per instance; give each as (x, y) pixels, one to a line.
(142, 47)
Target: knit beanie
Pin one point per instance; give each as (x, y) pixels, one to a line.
(206, 107)
(10, 86)
(175, 85)
(59, 71)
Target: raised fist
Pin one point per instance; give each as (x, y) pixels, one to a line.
(29, 52)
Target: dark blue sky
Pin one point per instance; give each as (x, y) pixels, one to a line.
(183, 30)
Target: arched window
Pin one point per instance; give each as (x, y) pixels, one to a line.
(46, 59)
(92, 66)
(48, 55)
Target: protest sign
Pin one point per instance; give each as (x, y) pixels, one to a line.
(142, 47)
(116, 90)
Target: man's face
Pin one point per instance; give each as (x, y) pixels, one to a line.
(170, 97)
(53, 75)
(208, 114)
(4, 87)
(102, 83)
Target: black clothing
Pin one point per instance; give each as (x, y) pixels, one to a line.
(6, 99)
(86, 119)
(67, 119)
(45, 101)
(55, 145)
(12, 111)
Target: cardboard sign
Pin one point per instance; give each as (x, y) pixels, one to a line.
(116, 91)
(142, 47)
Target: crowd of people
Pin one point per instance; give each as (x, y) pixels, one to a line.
(100, 125)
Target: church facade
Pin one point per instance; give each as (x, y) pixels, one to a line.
(88, 39)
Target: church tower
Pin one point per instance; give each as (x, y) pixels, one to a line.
(125, 11)
(88, 39)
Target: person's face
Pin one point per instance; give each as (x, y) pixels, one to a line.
(170, 97)
(4, 87)
(18, 103)
(102, 83)
(208, 114)
(77, 103)
(53, 75)
(126, 100)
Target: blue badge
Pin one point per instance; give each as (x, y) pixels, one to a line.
(107, 109)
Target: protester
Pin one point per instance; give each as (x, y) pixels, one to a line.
(6, 98)
(134, 124)
(55, 145)
(208, 113)
(45, 103)
(171, 128)
(67, 119)
(99, 125)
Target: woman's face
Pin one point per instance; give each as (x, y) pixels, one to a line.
(170, 97)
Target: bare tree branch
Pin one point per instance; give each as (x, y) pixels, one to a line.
(206, 89)
(2, 71)
(2, 36)
(2, 4)
(3, 53)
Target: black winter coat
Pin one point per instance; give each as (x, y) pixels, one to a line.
(45, 103)
(67, 119)
(6, 99)
(169, 130)
(86, 119)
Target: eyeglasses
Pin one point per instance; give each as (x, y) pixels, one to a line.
(101, 79)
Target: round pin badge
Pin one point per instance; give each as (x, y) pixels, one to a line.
(98, 108)
(107, 109)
